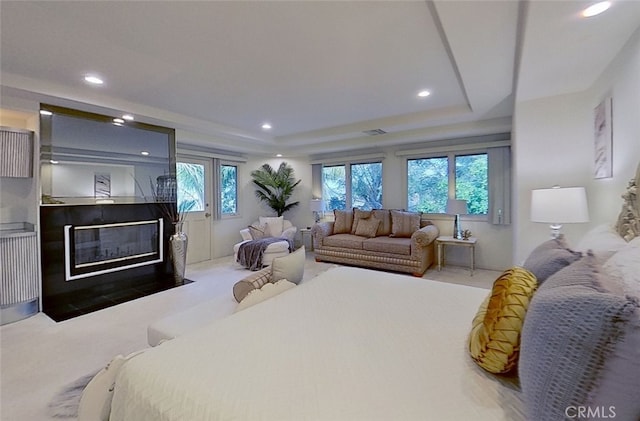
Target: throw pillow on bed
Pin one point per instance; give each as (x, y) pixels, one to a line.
(494, 342)
(267, 291)
(575, 337)
(549, 257)
(290, 267)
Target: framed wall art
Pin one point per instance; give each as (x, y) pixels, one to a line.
(603, 140)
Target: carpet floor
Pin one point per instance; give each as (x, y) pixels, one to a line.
(39, 358)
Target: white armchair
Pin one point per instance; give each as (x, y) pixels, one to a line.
(273, 250)
(288, 231)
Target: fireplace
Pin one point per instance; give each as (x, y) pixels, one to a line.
(92, 250)
(96, 256)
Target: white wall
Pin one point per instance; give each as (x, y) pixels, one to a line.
(553, 144)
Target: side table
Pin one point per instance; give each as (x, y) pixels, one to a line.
(442, 242)
(304, 232)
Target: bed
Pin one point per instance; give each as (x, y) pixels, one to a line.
(350, 344)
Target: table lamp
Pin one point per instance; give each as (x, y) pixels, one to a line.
(456, 207)
(559, 205)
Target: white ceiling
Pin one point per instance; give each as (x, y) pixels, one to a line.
(320, 72)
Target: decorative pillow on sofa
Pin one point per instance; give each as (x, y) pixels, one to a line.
(290, 267)
(494, 342)
(571, 336)
(357, 216)
(276, 224)
(343, 221)
(549, 257)
(267, 291)
(404, 224)
(367, 227)
(384, 215)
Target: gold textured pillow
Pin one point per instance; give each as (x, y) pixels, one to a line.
(343, 220)
(494, 342)
(367, 227)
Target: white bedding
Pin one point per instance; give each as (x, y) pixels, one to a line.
(350, 344)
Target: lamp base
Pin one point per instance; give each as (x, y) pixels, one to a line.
(555, 230)
(457, 228)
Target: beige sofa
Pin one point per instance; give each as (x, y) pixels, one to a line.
(401, 241)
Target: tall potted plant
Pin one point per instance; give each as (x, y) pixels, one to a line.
(275, 187)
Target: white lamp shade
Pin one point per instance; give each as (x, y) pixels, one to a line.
(316, 205)
(559, 205)
(456, 207)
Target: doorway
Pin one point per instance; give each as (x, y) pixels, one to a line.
(193, 177)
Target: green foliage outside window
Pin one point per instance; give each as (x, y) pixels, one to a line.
(471, 182)
(366, 185)
(229, 189)
(334, 187)
(428, 184)
(190, 191)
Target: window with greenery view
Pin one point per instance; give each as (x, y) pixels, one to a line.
(352, 185)
(190, 183)
(428, 182)
(471, 182)
(229, 189)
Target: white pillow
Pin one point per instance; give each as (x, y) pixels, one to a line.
(276, 224)
(289, 267)
(268, 290)
(625, 265)
(95, 403)
(602, 239)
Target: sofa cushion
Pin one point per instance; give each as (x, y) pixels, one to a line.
(388, 245)
(343, 240)
(494, 342)
(357, 216)
(404, 224)
(385, 221)
(549, 257)
(343, 221)
(368, 227)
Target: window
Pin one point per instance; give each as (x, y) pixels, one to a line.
(190, 183)
(229, 189)
(352, 185)
(431, 181)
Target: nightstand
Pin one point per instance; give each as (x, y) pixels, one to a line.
(442, 242)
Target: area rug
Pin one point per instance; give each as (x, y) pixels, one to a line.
(64, 405)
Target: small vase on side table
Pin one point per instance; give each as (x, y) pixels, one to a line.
(178, 245)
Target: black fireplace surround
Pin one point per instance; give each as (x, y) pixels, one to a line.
(150, 271)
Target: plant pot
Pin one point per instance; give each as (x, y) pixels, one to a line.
(178, 247)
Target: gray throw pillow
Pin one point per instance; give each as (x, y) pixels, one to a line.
(290, 267)
(570, 332)
(549, 257)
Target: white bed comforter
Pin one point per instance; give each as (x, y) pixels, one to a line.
(351, 344)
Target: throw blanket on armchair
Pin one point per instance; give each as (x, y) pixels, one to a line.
(250, 253)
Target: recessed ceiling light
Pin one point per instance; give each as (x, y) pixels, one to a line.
(53, 161)
(118, 120)
(596, 9)
(423, 94)
(93, 79)
(145, 153)
(266, 126)
(128, 117)
(279, 155)
(45, 112)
